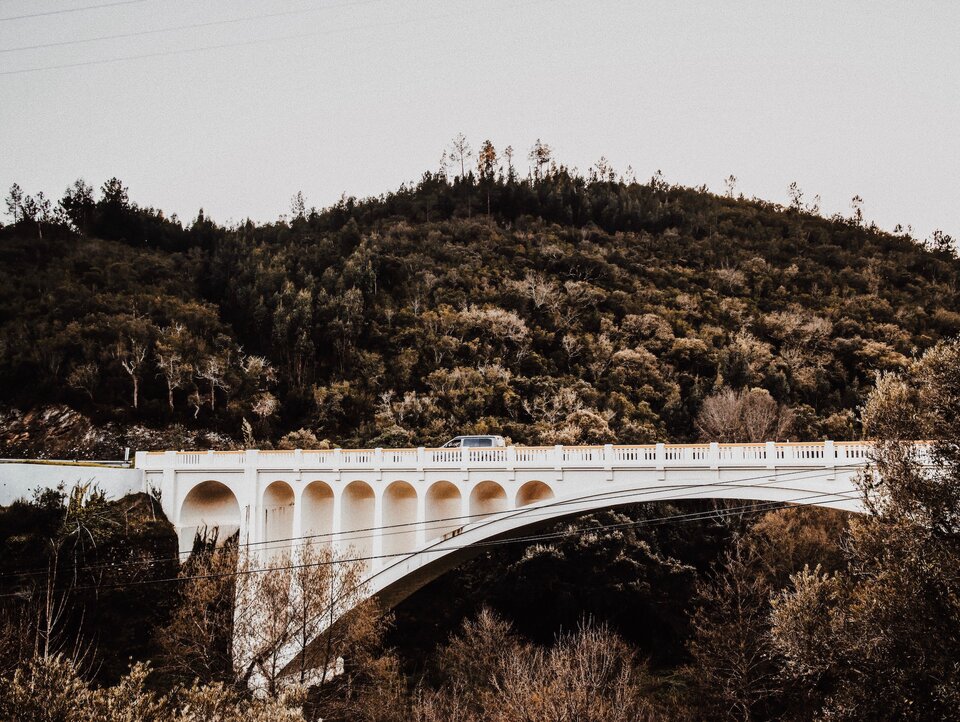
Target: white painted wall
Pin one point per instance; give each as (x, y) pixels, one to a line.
(19, 479)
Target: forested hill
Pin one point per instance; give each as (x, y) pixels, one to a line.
(551, 309)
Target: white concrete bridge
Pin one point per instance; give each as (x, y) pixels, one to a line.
(412, 514)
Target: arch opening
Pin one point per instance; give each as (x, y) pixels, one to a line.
(487, 497)
(444, 506)
(533, 492)
(358, 519)
(207, 506)
(317, 514)
(400, 518)
(278, 508)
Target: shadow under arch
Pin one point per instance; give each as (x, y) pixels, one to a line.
(210, 504)
(358, 515)
(399, 518)
(443, 509)
(533, 492)
(278, 509)
(317, 513)
(486, 498)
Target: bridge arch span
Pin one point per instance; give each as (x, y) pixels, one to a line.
(401, 577)
(208, 505)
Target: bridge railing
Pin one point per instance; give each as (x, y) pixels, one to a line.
(608, 456)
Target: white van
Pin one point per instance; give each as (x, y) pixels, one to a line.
(474, 442)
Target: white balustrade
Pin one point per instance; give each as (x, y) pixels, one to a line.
(530, 457)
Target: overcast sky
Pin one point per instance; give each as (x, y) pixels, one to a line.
(358, 96)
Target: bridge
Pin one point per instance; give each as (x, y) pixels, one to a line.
(412, 514)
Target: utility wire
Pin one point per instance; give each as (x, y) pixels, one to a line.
(260, 41)
(65, 11)
(547, 510)
(190, 26)
(682, 518)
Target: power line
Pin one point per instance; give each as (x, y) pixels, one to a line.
(65, 11)
(190, 26)
(547, 510)
(256, 41)
(682, 518)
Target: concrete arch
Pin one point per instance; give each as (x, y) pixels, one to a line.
(533, 492)
(443, 503)
(358, 518)
(399, 518)
(316, 510)
(209, 504)
(278, 508)
(401, 577)
(487, 497)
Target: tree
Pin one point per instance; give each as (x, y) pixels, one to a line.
(856, 203)
(460, 152)
(511, 171)
(85, 377)
(796, 196)
(540, 155)
(487, 167)
(732, 658)
(298, 206)
(730, 184)
(131, 352)
(214, 368)
(78, 204)
(174, 350)
(892, 617)
(297, 614)
(746, 415)
(196, 644)
(14, 203)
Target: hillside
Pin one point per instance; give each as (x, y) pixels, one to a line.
(577, 310)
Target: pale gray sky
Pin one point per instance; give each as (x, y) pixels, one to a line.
(357, 96)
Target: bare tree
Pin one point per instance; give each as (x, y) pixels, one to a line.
(297, 614)
(748, 415)
(172, 358)
(730, 646)
(213, 369)
(460, 152)
(131, 352)
(85, 377)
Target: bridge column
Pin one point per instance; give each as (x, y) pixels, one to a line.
(830, 459)
(169, 486)
(378, 500)
(464, 504)
(421, 517)
(336, 523)
(250, 521)
(297, 541)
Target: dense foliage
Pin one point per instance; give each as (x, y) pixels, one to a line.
(554, 308)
